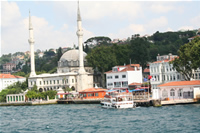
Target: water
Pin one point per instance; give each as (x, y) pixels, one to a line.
(88, 118)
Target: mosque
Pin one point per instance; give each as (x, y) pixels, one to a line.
(72, 70)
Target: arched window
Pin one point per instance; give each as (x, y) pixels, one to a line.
(172, 92)
(40, 90)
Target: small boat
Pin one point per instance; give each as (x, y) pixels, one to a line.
(118, 100)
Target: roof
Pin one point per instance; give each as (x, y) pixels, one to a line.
(134, 83)
(9, 64)
(9, 76)
(146, 70)
(129, 67)
(181, 83)
(167, 60)
(194, 37)
(72, 55)
(93, 90)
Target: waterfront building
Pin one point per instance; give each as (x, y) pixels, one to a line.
(15, 98)
(72, 69)
(179, 90)
(121, 76)
(8, 79)
(162, 72)
(93, 93)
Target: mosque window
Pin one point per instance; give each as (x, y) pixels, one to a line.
(47, 82)
(54, 82)
(44, 82)
(50, 81)
(57, 81)
(72, 80)
(40, 82)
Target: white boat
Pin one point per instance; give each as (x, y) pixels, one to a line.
(118, 100)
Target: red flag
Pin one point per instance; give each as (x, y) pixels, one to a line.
(149, 76)
(127, 91)
(118, 68)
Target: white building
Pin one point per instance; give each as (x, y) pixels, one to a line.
(180, 90)
(8, 79)
(71, 70)
(121, 76)
(162, 72)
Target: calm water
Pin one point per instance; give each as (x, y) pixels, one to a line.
(92, 118)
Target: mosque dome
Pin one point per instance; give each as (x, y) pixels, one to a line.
(72, 55)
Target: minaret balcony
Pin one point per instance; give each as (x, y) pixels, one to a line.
(79, 33)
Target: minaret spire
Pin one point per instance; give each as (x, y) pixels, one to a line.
(31, 42)
(80, 38)
(79, 14)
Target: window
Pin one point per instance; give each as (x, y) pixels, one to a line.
(180, 92)
(116, 76)
(31, 83)
(125, 84)
(84, 95)
(96, 94)
(47, 82)
(67, 80)
(57, 81)
(109, 77)
(172, 92)
(178, 77)
(110, 84)
(72, 80)
(54, 82)
(50, 81)
(44, 82)
(117, 84)
(91, 95)
(40, 82)
(123, 76)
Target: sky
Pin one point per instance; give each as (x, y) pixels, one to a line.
(55, 22)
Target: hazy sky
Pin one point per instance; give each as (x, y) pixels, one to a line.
(54, 22)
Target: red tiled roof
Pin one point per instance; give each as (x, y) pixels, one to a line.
(194, 36)
(167, 60)
(146, 70)
(129, 67)
(93, 90)
(134, 83)
(181, 83)
(9, 76)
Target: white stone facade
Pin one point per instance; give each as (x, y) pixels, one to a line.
(121, 76)
(179, 90)
(15, 98)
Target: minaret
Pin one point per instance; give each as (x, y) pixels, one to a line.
(31, 42)
(80, 38)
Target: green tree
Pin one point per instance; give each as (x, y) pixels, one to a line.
(139, 51)
(189, 58)
(102, 58)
